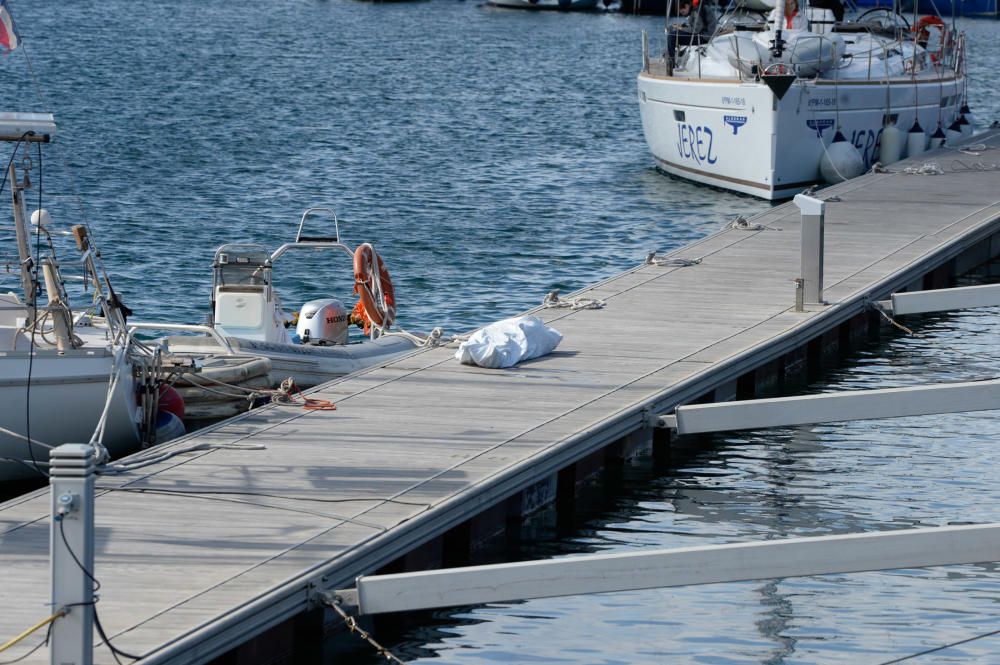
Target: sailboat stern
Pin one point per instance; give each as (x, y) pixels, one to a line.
(720, 133)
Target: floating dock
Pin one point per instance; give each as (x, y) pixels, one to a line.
(219, 553)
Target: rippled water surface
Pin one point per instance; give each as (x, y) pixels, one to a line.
(805, 481)
(492, 156)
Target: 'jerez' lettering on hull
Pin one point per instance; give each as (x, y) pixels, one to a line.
(694, 142)
(868, 142)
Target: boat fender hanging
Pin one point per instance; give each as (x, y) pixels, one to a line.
(966, 119)
(170, 400)
(916, 140)
(841, 161)
(954, 133)
(965, 124)
(891, 145)
(367, 283)
(168, 427)
(937, 139)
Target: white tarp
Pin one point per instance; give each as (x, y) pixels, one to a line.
(508, 342)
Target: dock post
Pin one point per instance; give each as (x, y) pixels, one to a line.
(72, 553)
(813, 211)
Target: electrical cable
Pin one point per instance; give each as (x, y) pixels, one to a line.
(263, 494)
(48, 634)
(115, 651)
(34, 328)
(210, 497)
(34, 305)
(34, 466)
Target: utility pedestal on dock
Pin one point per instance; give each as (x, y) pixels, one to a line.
(811, 272)
(72, 551)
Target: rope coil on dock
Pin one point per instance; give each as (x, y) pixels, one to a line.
(741, 223)
(289, 393)
(553, 300)
(667, 262)
(432, 339)
(927, 168)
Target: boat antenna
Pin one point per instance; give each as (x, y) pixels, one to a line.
(777, 46)
(888, 88)
(836, 96)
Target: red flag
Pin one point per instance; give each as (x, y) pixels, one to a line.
(9, 39)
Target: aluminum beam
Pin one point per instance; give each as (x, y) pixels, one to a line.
(941, 300)
(833, 407)
(599, 573)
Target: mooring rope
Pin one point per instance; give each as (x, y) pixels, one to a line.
(669, 262)
(553, 300)
(355, 629)
(741, 223)
(432, 339)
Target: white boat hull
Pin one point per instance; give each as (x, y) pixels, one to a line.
(725, 133)
(308, 365)
(65, 398)
(737, 135)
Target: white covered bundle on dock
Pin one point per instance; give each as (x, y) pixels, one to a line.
(508, 342)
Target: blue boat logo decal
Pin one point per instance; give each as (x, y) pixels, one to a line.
(735, 121)
(819, 126)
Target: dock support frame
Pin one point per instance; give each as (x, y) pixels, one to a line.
(709, 564)
(833, 407)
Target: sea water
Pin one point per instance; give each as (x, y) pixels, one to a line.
(492, 156)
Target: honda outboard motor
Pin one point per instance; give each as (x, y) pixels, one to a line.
(322, 322)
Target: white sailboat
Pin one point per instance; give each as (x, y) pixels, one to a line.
(761, 107)
(61, 379)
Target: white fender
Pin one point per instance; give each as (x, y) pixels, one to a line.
(841, 161)
(892, 142)
(916, 140)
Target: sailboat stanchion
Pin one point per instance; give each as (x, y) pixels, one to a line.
(811, 271)
(72, 553)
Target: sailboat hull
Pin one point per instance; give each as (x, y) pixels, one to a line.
(65, 395)
(739, 136)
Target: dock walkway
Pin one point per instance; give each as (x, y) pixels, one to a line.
(200, 553)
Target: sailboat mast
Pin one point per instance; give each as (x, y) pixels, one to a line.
(23, 233)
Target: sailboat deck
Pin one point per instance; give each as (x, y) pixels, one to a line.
(197, 554)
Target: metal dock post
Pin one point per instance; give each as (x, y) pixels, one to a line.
(811, 271)
(72, 554)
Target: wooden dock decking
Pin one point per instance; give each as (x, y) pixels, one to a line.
(198, 554)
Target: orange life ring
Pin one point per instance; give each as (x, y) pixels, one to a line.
(368, 309)
(923, 25)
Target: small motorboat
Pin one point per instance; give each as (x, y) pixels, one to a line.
(310, 346)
